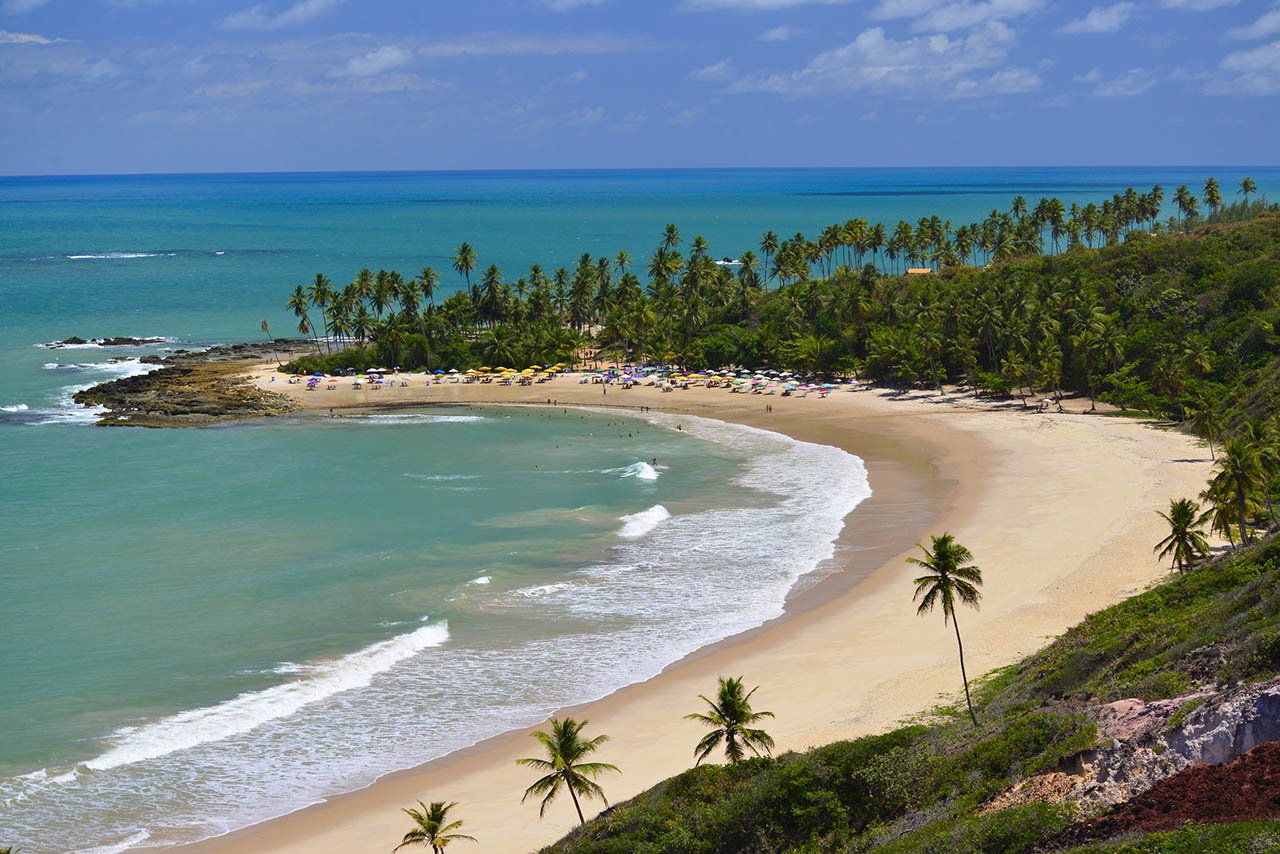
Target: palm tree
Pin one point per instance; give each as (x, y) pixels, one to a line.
(950, 576)
(730, 717)
(671, 236)
(1239, 479)
(564, 750)
(1186, 541)
(1186, 203)
(1212, 195)
(432, 827)
(1247, 187)
(464, 261)
(1207, 424)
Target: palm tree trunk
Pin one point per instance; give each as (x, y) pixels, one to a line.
(1241, 504)
(964, 676)
(576, 806)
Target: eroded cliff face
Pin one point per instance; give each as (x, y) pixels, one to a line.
(1145, 743)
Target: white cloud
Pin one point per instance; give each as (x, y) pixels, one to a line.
(1006, 81)
(1131, 83)
(377, 61)
(520, 44)
(935, 65)
(779, 34)
(1267, 25)
(942, 16)
(586, 116)
(1101, 19)
(719, 72)
(1197, 5)
(21, 7)
(257, 17)
(753, 5)
(569, 5)
(7, 37)
(1261, 58)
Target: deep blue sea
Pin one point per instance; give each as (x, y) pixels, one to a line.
(206, 628)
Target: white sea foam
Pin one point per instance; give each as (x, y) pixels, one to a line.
(639, 524)
(418, 418)
(116, 847)
(442, 477)
(640, 471)
(250, 710)
(114, 256)
(484, 579)
(17, 407)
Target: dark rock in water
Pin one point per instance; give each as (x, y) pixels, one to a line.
(153, 360)
(72, 340)
(128, 342)
(184, 396)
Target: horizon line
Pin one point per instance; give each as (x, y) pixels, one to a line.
(620, 169)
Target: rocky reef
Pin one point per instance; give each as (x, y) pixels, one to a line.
(192, 389)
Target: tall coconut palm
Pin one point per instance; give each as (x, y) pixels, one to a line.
(1247, 188)
(1186, 541)
(432, 827)
(1212, 194)
(1238, 480)
(730, 716)
(464, 261)
(565, 748)
(1207, 424)
(671, 236)
(950, 577)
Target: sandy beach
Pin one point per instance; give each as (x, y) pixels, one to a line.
(1058, 510)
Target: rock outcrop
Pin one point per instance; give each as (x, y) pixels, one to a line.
(184, 396)
(1144, 743)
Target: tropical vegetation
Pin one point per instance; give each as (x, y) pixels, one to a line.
(922, 787)
(949, 576)
(730, 717)
(1186, 542)
(1177, 319)
(565, 749)
(432, 827)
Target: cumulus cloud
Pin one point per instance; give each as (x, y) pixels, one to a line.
(7, 37)
(719, 72)
(258, 18)
(779, 34)
(1197, 5)
(942, 16)
(1131, 83)
(1267, 25)
(1264, 58)
(934, 65)
(21, 7)
(523, 44)
(752, 5)
(1101, 19)
(377, 61)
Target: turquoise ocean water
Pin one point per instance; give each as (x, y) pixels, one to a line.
(206, 628)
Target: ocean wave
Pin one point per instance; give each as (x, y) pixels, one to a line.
(442, 477)
(17, 407)
(417, 418)
(640, 471)
(639, 524)
(484, 579)
(251, 710)
(123, 845)
(118, 256)
(97, 343)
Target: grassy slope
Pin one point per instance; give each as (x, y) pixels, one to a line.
(918, 788)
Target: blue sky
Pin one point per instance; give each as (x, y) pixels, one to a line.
(91, 86)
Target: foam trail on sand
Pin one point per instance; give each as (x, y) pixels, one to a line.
(639, 524)
(253, 709)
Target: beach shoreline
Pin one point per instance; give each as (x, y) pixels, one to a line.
(848, 657)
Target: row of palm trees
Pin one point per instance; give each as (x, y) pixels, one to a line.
(1238, 495)
(603, 300)
(949, 578)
